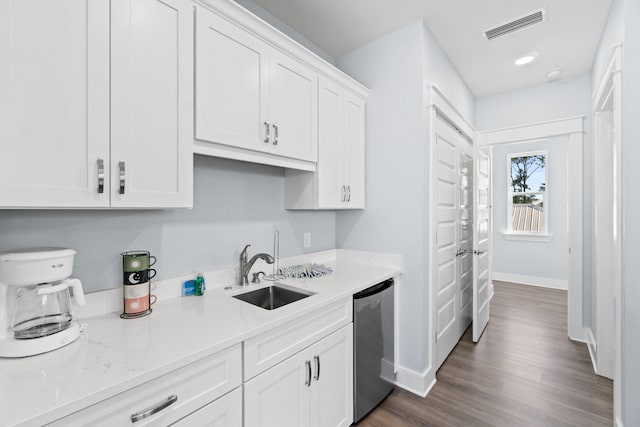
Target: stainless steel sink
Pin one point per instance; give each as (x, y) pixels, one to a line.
(273, 296)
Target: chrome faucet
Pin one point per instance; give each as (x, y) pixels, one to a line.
(245, 266)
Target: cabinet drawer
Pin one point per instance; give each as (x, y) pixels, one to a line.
(194, 385)
(224, 412)
(272, 347)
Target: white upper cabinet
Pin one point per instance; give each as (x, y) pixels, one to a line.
(354, 150)
(54, 103)
(232, 83)
(251, 96)
(82, 112)
(293, 108)
(151, 103)
(339, 180)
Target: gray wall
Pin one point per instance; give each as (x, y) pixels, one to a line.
(397, 67)
(548, 101)
(527, 258)
(280, 25)
(630, 209)
(235, 203)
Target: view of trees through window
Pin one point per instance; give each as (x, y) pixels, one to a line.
(528, 188)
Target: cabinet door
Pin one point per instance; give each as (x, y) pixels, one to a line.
(232, 71)
(151, 103)
(279, 396)
(354, 151)
(293, 108)
(332, 386)
(223, 412)
(330, 168)
(54, 103)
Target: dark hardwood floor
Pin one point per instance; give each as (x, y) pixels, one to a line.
(523, 372)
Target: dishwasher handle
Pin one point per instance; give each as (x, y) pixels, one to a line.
(375, 289)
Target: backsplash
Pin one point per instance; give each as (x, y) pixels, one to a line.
(235, 203)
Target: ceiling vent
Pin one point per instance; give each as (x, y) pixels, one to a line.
(517, 24)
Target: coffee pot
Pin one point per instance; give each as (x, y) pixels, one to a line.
(36, 312)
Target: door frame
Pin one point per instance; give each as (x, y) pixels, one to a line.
(573, 128)
(437, 104)
(609, 86)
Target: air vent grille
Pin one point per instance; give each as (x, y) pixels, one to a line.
(515, 25)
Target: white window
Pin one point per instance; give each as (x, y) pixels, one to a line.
(527, 195)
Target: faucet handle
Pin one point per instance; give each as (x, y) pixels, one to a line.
(243, 254)
(256, 277)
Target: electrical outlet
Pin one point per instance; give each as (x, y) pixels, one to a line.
(307, 240)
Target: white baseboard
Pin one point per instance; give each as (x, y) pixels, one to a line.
(592, 346)
(581, 335)
(543, 282)
(415, 382)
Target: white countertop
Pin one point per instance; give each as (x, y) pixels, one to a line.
(113, 355)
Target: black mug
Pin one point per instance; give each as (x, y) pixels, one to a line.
(137, 277)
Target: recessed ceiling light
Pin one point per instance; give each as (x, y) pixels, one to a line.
(554, 74)
(524, 60)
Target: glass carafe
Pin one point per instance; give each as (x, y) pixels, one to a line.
(42, 310)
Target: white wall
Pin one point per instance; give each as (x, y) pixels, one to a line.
(525, 258)
(397, 68)
(549, 101)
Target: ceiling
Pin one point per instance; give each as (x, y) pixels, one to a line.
(568, 39)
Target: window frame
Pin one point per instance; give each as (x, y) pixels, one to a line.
(510, 194)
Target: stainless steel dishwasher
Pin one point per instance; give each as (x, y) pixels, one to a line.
(373, 348)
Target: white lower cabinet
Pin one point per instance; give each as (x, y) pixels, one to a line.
(311, 388)
(173, 397)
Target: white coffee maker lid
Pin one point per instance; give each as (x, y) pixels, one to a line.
(35, 254)
(37, 265)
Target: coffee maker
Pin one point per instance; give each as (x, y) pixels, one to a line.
(35, 305)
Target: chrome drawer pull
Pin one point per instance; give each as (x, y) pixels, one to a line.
(349, 193)
(154, 409)
(123, 177)
(308, 381)
(275, 134)
(266, 132)
(317, 360)
(100, 176)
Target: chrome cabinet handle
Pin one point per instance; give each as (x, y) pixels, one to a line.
(478, 252)
(123, 176)
(275, 134)
(308, 381)
(100, 176)
(266, 131)
(348, 193)
(317, 360)
(344, 193)
(145, 413)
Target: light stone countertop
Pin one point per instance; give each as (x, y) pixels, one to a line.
(113, 355)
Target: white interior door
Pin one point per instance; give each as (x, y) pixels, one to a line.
(465, 233)
(450, 310)
(481, 241)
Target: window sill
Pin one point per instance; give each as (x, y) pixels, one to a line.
(528, 237)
